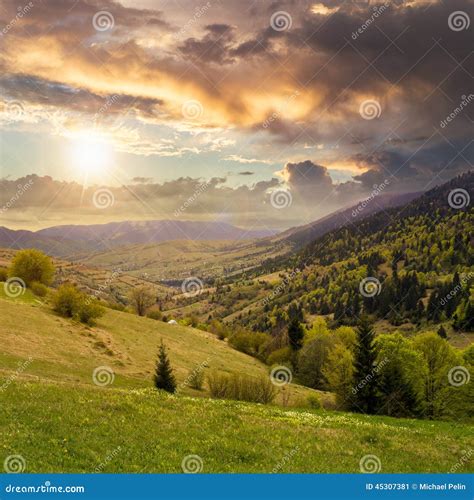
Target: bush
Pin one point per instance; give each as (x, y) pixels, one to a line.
(39, 289)
(70, 302)
(281, 356)
(196, 378)
(3, 274)
(88, 311)
(155, 313)
(241, 387)
(313, 402)
(218, 385)
(32, 265)
(249, 342)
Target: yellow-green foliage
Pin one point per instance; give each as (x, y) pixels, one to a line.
(32, 265)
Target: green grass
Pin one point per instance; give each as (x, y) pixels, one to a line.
(64, 350)
(76, 429)
(60, 421)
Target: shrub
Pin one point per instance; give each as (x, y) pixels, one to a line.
(218, 385)
(313, 402)
(241, 387)
(3, 274)
(155, 313)
(281, 356)
(88, 311)
(196, 378)
(70, 302)
(32, 265)
(39, 289)
(249, 342)
(219, 329)
(66, 300)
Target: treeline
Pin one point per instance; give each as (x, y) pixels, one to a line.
(421, 377)
(418, 260)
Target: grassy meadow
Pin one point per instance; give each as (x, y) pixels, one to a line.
(57, 419)
(68, 428)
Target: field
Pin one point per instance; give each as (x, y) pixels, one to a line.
(58, 419)
(66, 351)
(177, 260)
(57, 427)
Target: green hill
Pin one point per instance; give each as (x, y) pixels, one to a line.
(66, 351)
(70, 428)
(58, 419)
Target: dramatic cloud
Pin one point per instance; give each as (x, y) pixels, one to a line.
(373, 90)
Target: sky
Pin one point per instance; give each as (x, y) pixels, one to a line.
(261, 113)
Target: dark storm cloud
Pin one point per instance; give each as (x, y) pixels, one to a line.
(39, 91)
(407, 59)
(214, 47)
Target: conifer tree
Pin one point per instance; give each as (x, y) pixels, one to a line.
(442, 332)
(164, 378)
(365, 373)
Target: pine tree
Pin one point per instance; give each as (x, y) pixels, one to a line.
(442, 332)
(365, 373)
(164, 378)
(295, 334)
(398, 399)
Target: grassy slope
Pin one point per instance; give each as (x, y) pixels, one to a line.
(58, 420)
(63, 350)
(75, 429)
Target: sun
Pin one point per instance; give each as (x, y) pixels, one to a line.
(91, 154)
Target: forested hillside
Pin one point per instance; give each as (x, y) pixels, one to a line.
(413, 263)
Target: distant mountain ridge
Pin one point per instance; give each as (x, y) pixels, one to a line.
(72, 240)
(302, 235)
(67, 240)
